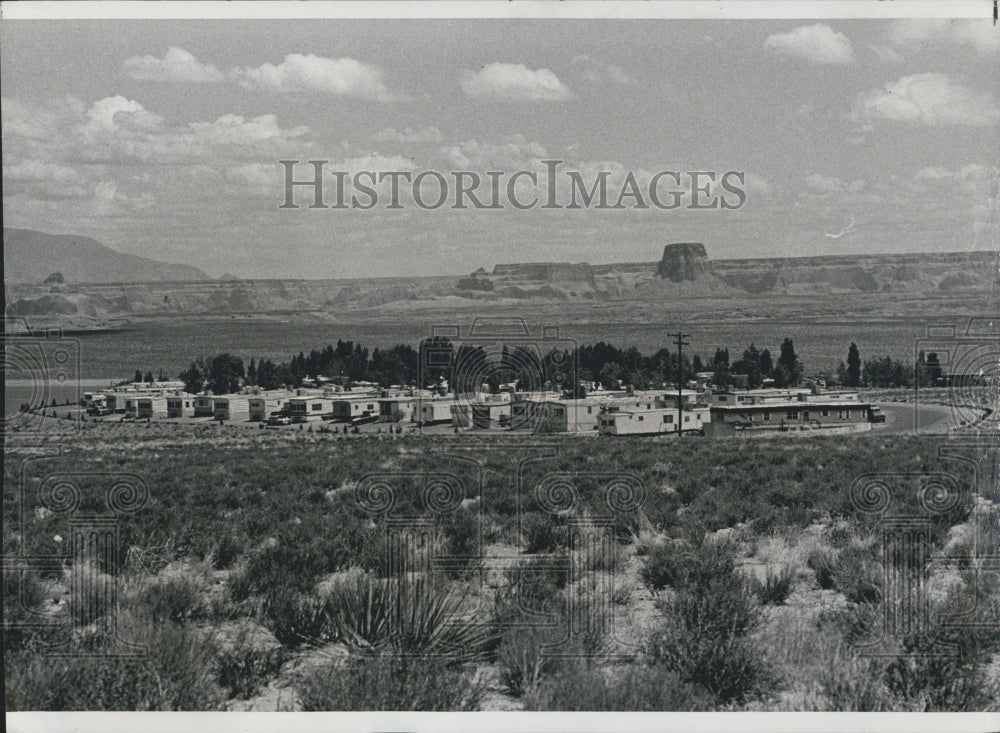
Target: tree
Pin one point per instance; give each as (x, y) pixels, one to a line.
(790, 364)
(252, 372)
(749, 364)
(138, 376)
(696, 365)
(842, 373)
(934, 370)
(149, 378)
(226, 373)
(194, 380)
(766, 364)
(721, 376)
(609, 375)
(853, 366)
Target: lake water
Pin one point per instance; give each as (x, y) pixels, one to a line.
(171, 346)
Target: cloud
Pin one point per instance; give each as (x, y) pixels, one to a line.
(309, 73)
(818, 43)
(514, 82)
(177, 65)
(928, 99)
(597, 72)
(980, 34)
(409, 135)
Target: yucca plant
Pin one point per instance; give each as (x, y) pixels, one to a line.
(408, 616)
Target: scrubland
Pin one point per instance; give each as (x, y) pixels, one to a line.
(742, 575)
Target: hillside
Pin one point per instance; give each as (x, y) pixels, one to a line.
(30, 256)
(685, 278)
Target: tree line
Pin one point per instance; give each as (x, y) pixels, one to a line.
(465, 367)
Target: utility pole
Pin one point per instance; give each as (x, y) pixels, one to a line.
(681, 340)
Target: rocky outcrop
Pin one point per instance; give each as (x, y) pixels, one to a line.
(683, 261)
(550, 272)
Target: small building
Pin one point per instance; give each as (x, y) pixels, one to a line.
(398, 408)
(150, 406)
(234, 408)
(805, 414)
(657, 421)
(263, 405)
(181, 405)
(115, 402)
(306, 408)
(435, 411)
(130, 405)
(204, 406)
(345, 409)
(571, 416)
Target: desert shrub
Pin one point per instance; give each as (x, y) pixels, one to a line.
(177, 598)
(855, 684)
(98, 602)
(405, 616)
(295, 617)
(680, 564)
(176, 672)
(705, 634)
(639, 688)
(824, 565)
(227, 550)
(522, 660)
(461, 534)
(244, 666)
(776, 587)
(943, 670)
(390, 683)
(858, 576)
(664, 566)
(531, 588)
(855, 624)
(542, 533)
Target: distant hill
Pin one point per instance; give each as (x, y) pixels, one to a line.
(30, 257)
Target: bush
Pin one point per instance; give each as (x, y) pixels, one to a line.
(295, 617)
(542, 533)
(823, 566)
(943, 670)
(522, 660)
(177, 672)
(641, 688)
(858, 576)
(243, 666)
(390, 683)
(704, 637)
(776, 587)
(683, 564)
(855, 685)
(177, 599)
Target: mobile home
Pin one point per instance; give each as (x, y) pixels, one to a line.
(653, 422)
(235, 408)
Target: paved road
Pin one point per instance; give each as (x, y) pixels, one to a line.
(901, 416)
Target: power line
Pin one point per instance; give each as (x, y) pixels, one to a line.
(681, 340)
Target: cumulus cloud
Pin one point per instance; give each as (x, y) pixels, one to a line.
(597, 72)
(177, 65)
(817, 43)
(514, 82)
(979, 34)
(310, 73)
(928, 99)
(409, 135)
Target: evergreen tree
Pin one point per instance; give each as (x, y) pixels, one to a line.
(789, 363)
(853, 366)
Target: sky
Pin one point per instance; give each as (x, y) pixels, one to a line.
(162, 138)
